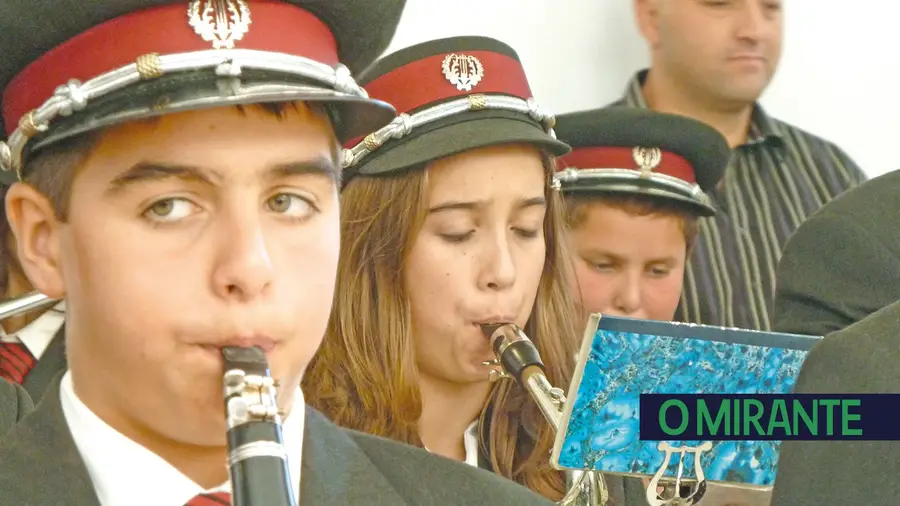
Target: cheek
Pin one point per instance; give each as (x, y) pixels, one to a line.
(698, 48)
(433, 274)
(305, 270)
(592, 287)
(663, 296)
(531, 266)
(307, 259)
(125, 268)
(773, 43)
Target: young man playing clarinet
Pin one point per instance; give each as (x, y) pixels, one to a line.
(181, 193)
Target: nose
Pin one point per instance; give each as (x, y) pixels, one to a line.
(750, 20)
(243, 269)
(627, 297)
(498, 270)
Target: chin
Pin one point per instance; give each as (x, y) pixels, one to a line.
(475, 372)
(747, 92)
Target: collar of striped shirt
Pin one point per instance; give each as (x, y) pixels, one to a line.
(762, 127)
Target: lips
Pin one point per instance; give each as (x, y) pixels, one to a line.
(495, 319)
(748, 57)
(488, 325)
(267, 344)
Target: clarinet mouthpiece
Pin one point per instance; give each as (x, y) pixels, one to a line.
(488, 329)
(514, 350)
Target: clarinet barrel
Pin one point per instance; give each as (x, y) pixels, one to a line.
(257, 458)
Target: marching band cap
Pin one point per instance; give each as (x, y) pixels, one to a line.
(639, 151)
(454, 95)
(72, 66)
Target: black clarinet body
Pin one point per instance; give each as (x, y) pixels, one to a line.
(257, 459)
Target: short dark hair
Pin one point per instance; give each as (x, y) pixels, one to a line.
(636, 205)
(51, 172)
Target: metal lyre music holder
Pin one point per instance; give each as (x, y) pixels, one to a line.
(674, 491)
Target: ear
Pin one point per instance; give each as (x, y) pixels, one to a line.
(647, 14)
(37, 232)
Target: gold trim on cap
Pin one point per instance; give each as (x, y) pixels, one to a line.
(477, 102)
(149, 66)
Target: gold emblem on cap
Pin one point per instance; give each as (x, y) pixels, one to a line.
(222, 22)
(647, 159)
(463, 70)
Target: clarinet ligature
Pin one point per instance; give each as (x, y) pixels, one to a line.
(257, 459)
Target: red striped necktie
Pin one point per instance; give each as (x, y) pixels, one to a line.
(15, 361)
(214, 499)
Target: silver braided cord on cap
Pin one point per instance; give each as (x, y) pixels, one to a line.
(74, 96)
(571, 175)
(404, 124)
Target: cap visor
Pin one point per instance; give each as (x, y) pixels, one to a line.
(352, 115)
(588, 187)
(454, 135)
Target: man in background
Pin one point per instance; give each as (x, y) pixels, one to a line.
(712, 61)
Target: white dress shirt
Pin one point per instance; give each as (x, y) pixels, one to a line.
(470, 444)
(36, 336)
(125, 473)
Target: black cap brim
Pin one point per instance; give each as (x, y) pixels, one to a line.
(586, 187)
(458, 134)
(701, 145)
(28, 29)
(351, 115)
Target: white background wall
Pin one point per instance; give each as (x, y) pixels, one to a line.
(839, 76)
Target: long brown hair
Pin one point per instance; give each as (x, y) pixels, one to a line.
(365, 376)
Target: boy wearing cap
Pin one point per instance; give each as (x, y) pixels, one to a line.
(175, 224)
(635, 186)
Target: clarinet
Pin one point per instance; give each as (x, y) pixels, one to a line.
(257, 459)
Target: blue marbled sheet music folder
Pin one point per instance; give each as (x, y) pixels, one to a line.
(622, 358)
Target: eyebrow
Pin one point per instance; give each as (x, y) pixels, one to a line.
(594, 254)
(470, 205)
(142, 172)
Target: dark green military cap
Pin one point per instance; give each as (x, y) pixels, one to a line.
(454, 95)
(628, 150)
(72, 66)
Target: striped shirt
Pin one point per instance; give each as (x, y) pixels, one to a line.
(774, 181)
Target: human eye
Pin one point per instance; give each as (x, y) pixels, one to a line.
(169, 210)
(291, 205)
(457, 238)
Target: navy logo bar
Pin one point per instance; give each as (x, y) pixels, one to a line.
(769, 417)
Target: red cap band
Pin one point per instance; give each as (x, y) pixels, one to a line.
(275, 26)
(422, 82)
(671, 164)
